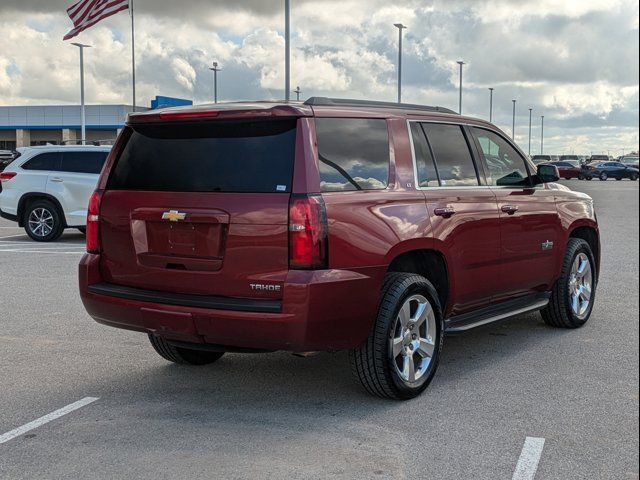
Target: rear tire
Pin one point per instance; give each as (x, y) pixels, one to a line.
(182, 356)
(633, 177)
(401, 354)
(43, 222)
(563, 310)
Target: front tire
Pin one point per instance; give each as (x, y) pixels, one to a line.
(401, 354)
(633, 177)
(43, 221)
(604, 177)
(182, 356)
(572, 297)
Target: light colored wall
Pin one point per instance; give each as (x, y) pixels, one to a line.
(23, 138)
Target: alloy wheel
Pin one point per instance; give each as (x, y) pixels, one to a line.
(414, 339)
(581, 286)
(41, 222)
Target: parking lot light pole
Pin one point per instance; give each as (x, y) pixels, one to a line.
(287, 50)
(490, 104)
(541, 134)
(461, 63)
(513, 123)
(530, 111)
(215, 71)
(83, 123)
(400, 27)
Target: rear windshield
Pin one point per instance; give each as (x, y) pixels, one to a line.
(236, 156)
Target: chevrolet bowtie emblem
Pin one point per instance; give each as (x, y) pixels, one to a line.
(174, 216)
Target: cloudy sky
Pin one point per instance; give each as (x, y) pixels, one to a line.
(574, 61)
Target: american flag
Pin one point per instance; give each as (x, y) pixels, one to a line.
(86, 13)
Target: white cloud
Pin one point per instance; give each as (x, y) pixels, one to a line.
(574, 61)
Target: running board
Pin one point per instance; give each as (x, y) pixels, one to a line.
(494, 313)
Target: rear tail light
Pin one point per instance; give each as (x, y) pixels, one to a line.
(4, 176)
(308, 233)
(93, 223)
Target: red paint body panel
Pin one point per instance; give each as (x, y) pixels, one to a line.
(526, 266)
(231, 240)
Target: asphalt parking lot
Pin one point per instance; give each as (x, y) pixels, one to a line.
(280, 416)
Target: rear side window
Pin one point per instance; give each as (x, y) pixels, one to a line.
(209, 157)
(452, 155)
(44, 161)
(504, 166)
(353, 154)
(425, 168)
(83, 162)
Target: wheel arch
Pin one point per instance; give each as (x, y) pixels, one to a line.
(588, 233)
(429, 263)
(30, 197)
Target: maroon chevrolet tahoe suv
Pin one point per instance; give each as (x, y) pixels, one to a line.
(330, 225)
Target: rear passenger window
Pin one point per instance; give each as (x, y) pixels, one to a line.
(44, 161)
(83, 162)
(425, 168)
(353, 154)
(505, 167)
(452, 156)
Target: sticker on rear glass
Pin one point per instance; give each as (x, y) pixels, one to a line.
(281, 188)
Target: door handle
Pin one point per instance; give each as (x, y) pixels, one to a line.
(510, 209)
(56, 179)
(445, 212)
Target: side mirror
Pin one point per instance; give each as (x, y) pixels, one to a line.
(547, 174)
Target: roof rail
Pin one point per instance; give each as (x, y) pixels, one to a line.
(347, 102)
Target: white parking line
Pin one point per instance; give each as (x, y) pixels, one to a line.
(46, 419)
(529, 458)
(55, 252)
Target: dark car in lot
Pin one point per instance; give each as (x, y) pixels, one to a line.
(330, 225)
(567, 169)
(606, 170)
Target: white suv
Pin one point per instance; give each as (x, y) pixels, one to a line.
(47, 189)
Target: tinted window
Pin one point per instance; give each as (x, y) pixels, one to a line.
(425, 167)
(211, 157)
(44, 161)
(353, 154)
(452, 156)
(83, 162)
(503, 163)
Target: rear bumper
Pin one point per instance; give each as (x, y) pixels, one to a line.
(320, 310)
(8, 216)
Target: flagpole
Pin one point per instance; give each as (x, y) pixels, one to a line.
(133, 53)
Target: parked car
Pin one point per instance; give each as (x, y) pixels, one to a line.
(330, 225)
(598, 158)
(630, 161)
(47, 189)
(573, 159)
(606, 170)
(568, 170)
(538, 159)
